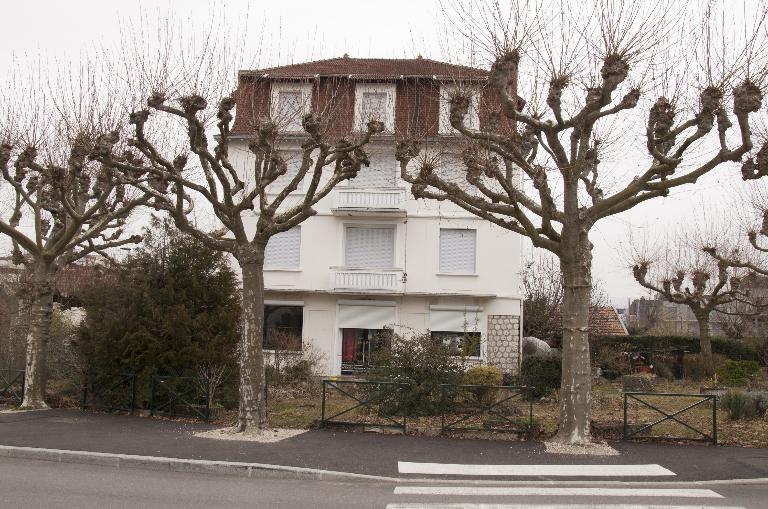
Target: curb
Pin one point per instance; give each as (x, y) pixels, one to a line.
(263, 470)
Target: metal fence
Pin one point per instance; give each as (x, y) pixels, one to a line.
(364, 403)
(110, 392)
(12, 386)
(648, 406)
(502, 408)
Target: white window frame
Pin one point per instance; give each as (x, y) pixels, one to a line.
(465, 311)
(375, 88)
(294, 124)
(289, 268)
(291, 157)
(392, 227)
(374, 154)
(440, 253)
(471, 120)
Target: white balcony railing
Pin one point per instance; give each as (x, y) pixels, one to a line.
(362, 280)
(391, 200)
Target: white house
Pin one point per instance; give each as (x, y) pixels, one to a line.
(374, 258)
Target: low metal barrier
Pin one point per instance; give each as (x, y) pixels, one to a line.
(701, 400)
(110, 392)
(497, 407)
(383, 399)
(179, 396)
(12, 386)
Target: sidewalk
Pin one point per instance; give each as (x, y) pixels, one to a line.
(352, 452)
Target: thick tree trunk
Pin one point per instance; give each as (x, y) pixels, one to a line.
(706, 344)
(253, 412)
(40, 309)
(576, 383)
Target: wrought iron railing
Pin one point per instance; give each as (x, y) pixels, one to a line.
(12, 386)
(367, 403)
(693, 402)
(502, 408)
(110, 392)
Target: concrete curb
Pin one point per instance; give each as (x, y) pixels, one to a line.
(263, 470)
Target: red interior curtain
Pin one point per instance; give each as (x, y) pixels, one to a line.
(348, 345)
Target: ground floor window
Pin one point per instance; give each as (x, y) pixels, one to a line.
(463, 344)
(283, 327)
(359, 348)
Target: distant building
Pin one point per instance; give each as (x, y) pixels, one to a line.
(660, 317)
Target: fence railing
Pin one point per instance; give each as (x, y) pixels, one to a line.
(12, 386)
(364, 403)
(503, 408)
(179, 396)
(110, 392)
(695, 405)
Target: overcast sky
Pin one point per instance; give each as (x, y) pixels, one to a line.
(295, 31)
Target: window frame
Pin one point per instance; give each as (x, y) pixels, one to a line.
(472, 120)
(274, 304)
(389, 116)
(280, 267)
(305, 89)
(440, 270)
(392, 227)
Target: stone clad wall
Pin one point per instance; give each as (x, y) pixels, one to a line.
(503, 346)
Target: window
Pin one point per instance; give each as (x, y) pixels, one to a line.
(459, 329)
(284, 250)
(375, 101)
(471, 119)
(290, 102)
(457, 251)
(369, 247)
(381, 172)
(283, 327)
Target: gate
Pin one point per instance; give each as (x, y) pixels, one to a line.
(485, 408)
(379, 403)
(110, 392)
(695, 405)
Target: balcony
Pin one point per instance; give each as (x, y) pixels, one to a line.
(365, 280)
(370, 202)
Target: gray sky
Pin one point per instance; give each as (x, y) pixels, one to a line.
(298, 30)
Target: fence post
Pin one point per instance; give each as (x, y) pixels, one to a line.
(322, 407)
(626, 429)
(714, 420)
(133, 393)
(152, 396)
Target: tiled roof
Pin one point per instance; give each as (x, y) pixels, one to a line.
(605, 321)
(372, 68)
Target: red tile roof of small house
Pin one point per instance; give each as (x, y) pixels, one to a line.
(371, 68)
(605, 321)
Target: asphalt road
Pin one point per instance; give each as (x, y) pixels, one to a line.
(42, 484)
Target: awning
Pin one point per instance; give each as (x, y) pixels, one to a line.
(374, 316)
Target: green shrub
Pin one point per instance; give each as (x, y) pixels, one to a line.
(418, 360)
(484, 375)
(541, 373)
(731, 348)
(738, 405)
(738, 372)
(695, 368)
(611, 360)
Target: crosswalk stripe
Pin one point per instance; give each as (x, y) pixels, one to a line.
(550, 491)
(553, 506)
(406, 467)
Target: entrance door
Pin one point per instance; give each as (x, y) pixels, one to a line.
(359, 348)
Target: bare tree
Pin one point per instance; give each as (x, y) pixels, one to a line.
(543, 293)
(61, 205)
(702, 284)
(542, 181)
(204, 173)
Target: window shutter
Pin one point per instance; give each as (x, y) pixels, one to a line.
(457, 251)
(293, 161)
(381, 172)
(455, 320)
(284, 250)
(366, 317)
(370, 247)
(290, 109)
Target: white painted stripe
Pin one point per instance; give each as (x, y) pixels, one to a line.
(405, 467)
(545, 491)
(553, 506)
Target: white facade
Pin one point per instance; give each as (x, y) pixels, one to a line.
(375, 257)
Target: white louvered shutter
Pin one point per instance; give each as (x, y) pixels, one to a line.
(381, 172)
(370, 247)
(283, 250)
(457, 251)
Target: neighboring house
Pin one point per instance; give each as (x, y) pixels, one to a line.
(374, 258)
(606, 321)
(660, 317)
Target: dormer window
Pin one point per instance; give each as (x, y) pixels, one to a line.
(471, 120)
(290, 102)
(375, 101)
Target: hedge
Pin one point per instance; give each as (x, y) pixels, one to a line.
(733, 349)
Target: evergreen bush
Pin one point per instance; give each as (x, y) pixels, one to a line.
(541, 373)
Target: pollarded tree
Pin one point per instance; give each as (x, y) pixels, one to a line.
(701, 283)
(62, 211)
(543, 181)
(203, 173)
